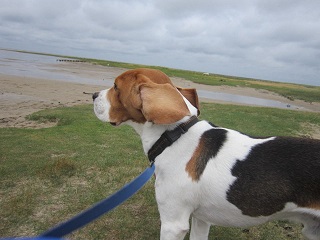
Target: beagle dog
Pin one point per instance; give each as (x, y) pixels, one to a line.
(215, 175)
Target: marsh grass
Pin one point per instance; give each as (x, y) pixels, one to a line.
(49, 175)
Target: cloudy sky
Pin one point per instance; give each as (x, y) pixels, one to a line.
(267, 39)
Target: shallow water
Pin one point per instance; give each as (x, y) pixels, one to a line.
(40, 66)
(243, 99)
(47, 67)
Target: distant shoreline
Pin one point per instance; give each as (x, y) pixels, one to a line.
(132, 65)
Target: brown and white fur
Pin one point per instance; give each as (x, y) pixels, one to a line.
(216, 175)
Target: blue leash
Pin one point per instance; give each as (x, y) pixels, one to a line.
(97, 210)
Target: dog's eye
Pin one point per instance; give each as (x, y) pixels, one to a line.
(115, 87)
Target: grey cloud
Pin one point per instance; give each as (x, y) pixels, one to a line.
(273, 39)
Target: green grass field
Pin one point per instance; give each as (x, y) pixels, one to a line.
(49, 175)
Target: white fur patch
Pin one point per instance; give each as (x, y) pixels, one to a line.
(102, 106)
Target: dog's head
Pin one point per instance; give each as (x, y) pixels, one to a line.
(142, 95)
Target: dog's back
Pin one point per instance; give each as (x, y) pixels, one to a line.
(277, 178)
(277, 172)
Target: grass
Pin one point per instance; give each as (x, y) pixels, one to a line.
(49, 175)
(289, 90)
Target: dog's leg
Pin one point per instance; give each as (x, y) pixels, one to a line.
(174, 224)
(199, 229)
(173, 231)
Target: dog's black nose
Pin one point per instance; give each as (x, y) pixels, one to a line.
(95, 95)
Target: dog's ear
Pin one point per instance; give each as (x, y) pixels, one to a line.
(159, 103)
(191, 95)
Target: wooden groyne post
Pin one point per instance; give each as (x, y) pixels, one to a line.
(69, 60)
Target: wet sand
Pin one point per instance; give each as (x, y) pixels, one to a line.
(21, 96)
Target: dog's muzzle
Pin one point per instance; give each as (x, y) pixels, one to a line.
(101, 105)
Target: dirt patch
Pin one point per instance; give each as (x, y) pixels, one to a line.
(21, 96)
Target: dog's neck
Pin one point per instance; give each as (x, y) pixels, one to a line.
(150, 132)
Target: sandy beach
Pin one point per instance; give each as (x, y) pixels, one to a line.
(23, 95)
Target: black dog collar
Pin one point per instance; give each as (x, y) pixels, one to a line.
(169, 137)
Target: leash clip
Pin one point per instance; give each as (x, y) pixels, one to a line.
(151, 163)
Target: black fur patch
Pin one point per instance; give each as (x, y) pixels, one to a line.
(276, 172)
